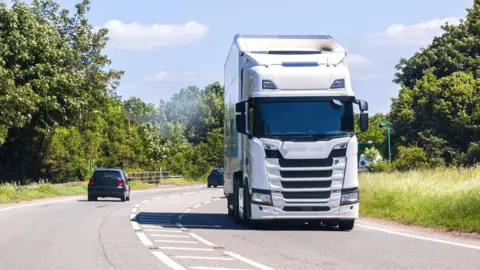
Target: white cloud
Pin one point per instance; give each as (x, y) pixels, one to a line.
(356, 61)
(163, 76)
(362, 68)
(135, 36)
(414, 35)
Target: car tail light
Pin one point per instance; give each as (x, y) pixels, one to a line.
(91, 182)
(121, 182)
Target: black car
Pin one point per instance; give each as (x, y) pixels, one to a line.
(110, 183)
(215, 178)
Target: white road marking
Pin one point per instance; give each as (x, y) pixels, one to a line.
(187, 211)
(144, 202)
(179, 225)
(248, 261)
(206, 242)
(134, 210)
(207, 202)
(38, 203)
(213, 268)
(132, 216)
(169, 231)
(157, 214)
(159, 209)
(144, 239)
(169, 235)
(205, 258)
(154, 218)
(185, 248)
(196, 206)
(176, 241)
(138, 205)
(135, 226)
(216, 199)
(166, 260)
(420, 237)
(152, 226)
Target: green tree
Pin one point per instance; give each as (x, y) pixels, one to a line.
(437, 107)
(53, 75)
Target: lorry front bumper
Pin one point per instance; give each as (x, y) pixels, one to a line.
(263, 212)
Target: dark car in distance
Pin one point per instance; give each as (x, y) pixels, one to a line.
(109, 183)
(215, 178)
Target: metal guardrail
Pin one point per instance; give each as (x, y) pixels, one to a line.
(151, 177)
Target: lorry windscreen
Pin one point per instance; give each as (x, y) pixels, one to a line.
(301, 119)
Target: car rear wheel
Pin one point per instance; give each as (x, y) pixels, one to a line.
(124, 197)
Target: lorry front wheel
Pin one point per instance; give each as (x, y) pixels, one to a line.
(346, 225)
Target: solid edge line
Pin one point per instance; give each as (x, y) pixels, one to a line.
(76, 197)
(206, 242)
(419, 237)
(39, 203)
(144, 239)
(248, 261)
(166, 260)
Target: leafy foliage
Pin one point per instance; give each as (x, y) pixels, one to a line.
(60, 109)
(438, 106)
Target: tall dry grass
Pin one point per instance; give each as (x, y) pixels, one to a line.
(447, 198)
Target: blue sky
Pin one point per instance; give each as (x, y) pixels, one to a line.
(190, 41)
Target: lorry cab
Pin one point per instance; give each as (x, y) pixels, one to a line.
(290, 143)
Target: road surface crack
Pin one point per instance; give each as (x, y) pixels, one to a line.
(105, 255)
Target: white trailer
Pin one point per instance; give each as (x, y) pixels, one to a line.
(290, 146)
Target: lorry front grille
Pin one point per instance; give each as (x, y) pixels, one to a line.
(306, 174)
(306, 208)
(306, 184)
(306, 195)
(299, 163)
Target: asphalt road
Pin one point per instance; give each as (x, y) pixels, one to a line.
(187, 228)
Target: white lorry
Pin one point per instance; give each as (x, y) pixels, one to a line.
(290, 146)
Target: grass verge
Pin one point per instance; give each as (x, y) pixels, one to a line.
(447, 198)
(10, 193)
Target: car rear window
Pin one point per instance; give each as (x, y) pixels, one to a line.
(100, 176)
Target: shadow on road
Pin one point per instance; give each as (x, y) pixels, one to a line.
(219, 221)
(101, 200)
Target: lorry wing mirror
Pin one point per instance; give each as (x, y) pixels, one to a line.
(240, 107)
(241, 123)
(241, 118)
(363, 122)
(363, 105)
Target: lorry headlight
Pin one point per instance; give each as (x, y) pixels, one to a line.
(266, 84)
(338, 83)
(270, 147)
(261, 198)
(350, 197)
(340, 146)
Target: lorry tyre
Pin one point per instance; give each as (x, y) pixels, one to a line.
(230, 202)
(246, 209)
(346, 225)
(236, 204)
